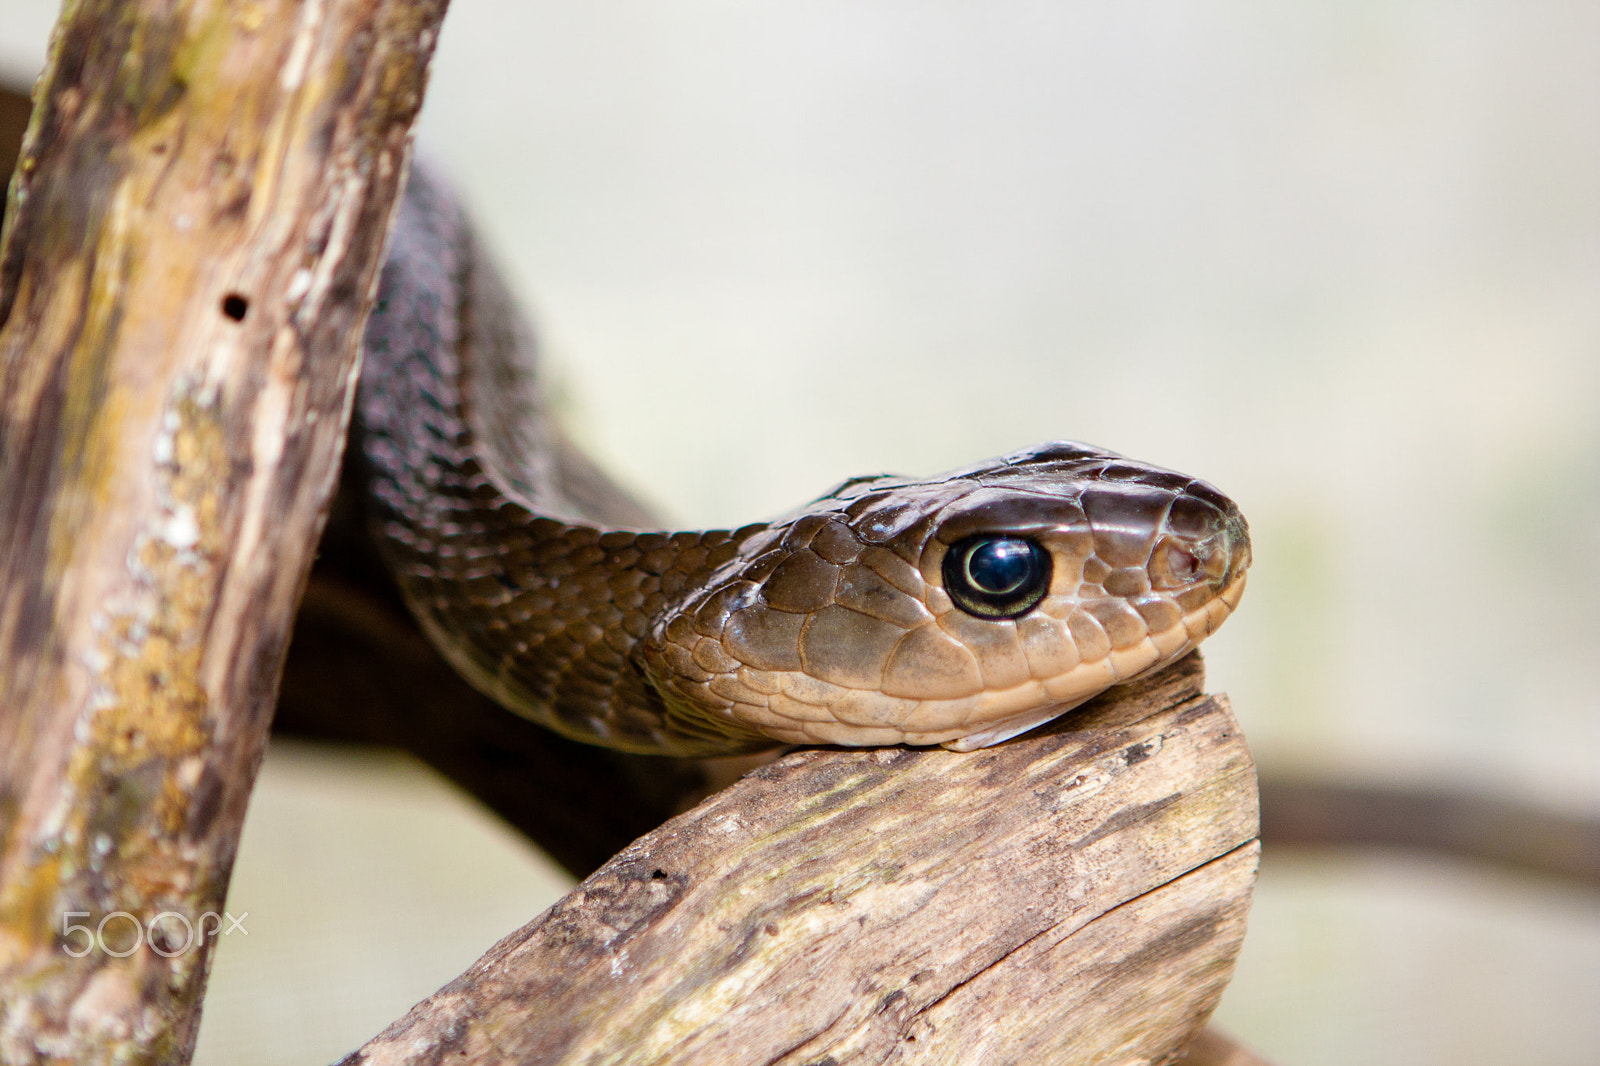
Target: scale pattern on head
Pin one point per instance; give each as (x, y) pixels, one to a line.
(838, 625)
(956, 610)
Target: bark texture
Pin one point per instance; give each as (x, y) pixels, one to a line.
(197, 217)
(1076, 896)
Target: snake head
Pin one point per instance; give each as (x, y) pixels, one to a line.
(959, 610)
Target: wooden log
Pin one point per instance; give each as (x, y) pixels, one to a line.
(191, 243)
(1076, 896)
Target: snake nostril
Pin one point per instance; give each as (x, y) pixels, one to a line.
(1182, 565)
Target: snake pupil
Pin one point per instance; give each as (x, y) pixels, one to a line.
(999, 566)
(994, 576)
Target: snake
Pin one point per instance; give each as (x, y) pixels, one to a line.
(959, 610)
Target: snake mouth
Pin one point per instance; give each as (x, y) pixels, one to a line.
(1089, 679)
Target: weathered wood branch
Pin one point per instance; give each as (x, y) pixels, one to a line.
(191, 239)
(1076, 896)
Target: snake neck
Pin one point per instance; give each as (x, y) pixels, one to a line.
(960, 609)
(529, 569)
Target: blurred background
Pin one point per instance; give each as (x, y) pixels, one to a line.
(1342, 259)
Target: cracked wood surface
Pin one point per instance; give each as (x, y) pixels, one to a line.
(1076, 896)
(191, 239)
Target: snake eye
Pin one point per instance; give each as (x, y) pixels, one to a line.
(994, 576)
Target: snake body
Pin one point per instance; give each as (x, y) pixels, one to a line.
(959, 610)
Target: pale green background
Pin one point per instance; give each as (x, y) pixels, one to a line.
(1341, 257)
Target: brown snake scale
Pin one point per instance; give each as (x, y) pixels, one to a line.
(552, 591)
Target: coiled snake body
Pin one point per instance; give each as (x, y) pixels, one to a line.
(959, 610)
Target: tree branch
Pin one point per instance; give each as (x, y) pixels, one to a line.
(191, 241)
(1454, 823)
(1075, 896)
